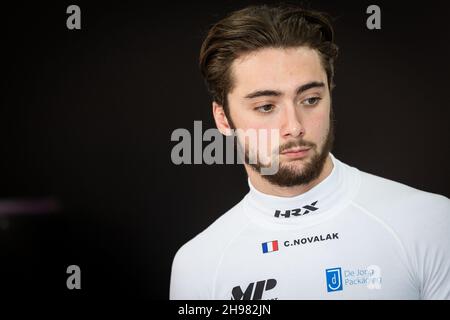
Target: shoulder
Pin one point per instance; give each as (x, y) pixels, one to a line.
(217, 235)
(195, 263)
(392, 201)
(418, 219)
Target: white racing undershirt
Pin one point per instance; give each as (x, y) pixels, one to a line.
(352, 236)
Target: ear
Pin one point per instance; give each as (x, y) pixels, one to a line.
(221, 119)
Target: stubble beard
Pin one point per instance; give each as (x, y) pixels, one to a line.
(299, 171)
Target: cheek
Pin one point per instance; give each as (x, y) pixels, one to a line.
(263, 141)
(318, 126)
(266, 133)
(250, 121)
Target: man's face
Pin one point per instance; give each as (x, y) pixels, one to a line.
(287, 90)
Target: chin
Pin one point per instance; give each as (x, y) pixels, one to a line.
(294, 166)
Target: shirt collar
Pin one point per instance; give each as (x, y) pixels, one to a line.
(318, 199)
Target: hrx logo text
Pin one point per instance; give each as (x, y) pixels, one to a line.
(297, 212)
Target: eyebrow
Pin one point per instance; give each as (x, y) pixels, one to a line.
(275, 93)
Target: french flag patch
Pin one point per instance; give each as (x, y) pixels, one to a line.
(270, 246)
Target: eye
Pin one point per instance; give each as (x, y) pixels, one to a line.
(265, 108)
(312, 101)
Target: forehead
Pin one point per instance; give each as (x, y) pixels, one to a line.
(275, 68)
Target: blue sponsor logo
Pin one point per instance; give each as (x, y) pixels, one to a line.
(334, 279)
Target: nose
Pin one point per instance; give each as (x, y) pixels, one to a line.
(291, 123)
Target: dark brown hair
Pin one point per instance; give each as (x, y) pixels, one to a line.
(263, 26)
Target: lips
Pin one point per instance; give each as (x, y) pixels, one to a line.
(294, 150)
(296, 153)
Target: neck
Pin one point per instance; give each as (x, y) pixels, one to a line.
(266, 187)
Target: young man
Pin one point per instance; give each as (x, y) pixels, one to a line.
(317, 228)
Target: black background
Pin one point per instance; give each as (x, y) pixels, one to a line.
(86, 118)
